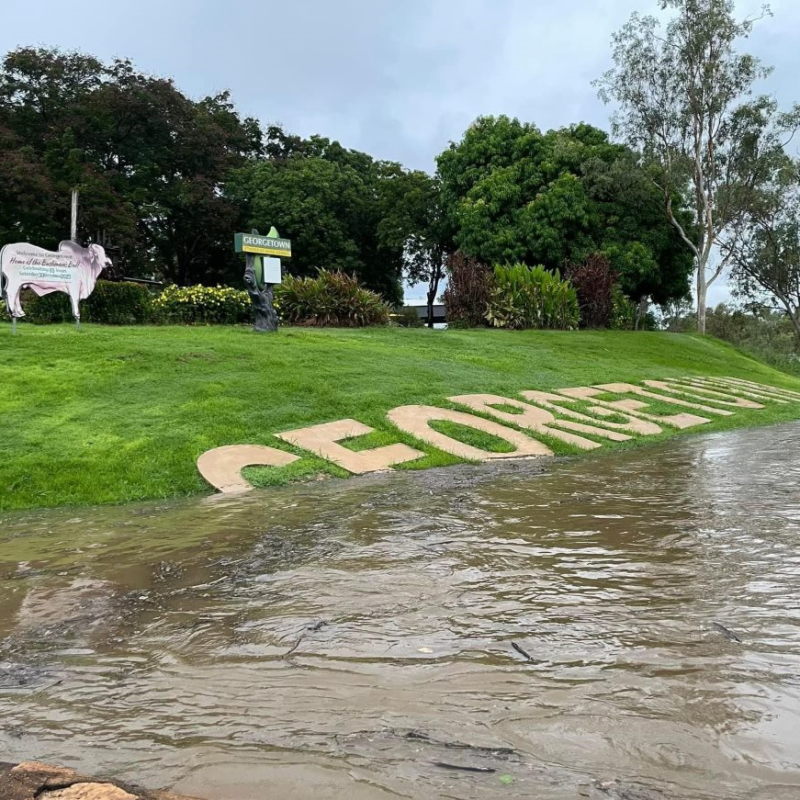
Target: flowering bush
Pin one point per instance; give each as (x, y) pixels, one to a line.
(202, 305)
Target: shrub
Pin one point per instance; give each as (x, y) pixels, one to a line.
(593, 281)
(531, 298)
(466, 298)
(202, 305)
(330, 299)
(623, 311)
(111, 303)
(119, 304)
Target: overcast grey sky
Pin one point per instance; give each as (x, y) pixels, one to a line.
(396, 78)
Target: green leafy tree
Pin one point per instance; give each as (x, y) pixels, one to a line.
(328, 201)
(413, 222)
(682, 96)
(764, 246)
(26, 194)
(150, 163)
(511, 193)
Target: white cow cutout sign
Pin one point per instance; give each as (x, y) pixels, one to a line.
(71, 269)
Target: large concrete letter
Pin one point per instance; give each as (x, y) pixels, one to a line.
(533, 419)
(770, 391)
(322, 440)
(633, 408)
(416, 421)
(630, 388)
(709, 395)
(556, 402)
(719, 384)
(222, 467)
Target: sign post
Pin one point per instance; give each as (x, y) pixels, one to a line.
(262, 271)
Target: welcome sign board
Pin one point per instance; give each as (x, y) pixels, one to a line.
(262, 245)
(71, 269)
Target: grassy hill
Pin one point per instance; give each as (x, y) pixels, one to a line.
(109, 415)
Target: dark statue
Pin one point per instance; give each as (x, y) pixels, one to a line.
(261, 298)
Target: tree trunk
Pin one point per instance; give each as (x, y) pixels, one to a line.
(431, 300)
(433, 288)
(702, 293)
(795, 318)
(641, 310)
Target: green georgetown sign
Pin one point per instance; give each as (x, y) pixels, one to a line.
(262, 245)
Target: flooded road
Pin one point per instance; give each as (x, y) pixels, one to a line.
(475, 632)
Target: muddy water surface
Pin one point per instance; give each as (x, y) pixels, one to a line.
(356, 639)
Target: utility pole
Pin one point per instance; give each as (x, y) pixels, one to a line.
(73, 228)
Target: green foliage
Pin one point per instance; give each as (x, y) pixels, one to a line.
(202, 305)
(765, 246)
(328, 200)
(332, 299)
(110, 303)
(147, 159)
(522, 298)
(623, 311)
(466, 297)
(413, 222)
(593, 281)
(122, 303)
(511, 193)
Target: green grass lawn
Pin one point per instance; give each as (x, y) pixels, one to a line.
(109, 415)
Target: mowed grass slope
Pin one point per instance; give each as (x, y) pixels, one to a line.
(109, 415)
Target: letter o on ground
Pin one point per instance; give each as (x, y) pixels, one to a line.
(416, 420)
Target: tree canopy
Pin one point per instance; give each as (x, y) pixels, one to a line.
(165, 180)
(328, 200)
(148, 161)
(512, 193)
(683, 96)
(763, 247)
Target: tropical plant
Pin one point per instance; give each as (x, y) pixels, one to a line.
(331, 299)
(466, 297)
(593, 281)
(522, 297)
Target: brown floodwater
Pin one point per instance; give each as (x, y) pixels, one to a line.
(357, 639)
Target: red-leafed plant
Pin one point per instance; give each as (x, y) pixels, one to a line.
(593, 281)
(466, 299)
